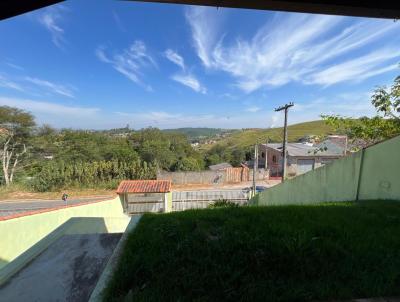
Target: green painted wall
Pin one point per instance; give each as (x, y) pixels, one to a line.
(20, 234)
(380, 179)
(380, 176)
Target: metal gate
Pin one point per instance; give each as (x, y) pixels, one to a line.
(237, 174)
(305, 165)
(202, 199)
(142, 203)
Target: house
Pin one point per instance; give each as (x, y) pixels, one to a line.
(301, 157)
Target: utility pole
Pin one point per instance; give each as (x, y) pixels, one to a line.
(255, 167)
(286, 108)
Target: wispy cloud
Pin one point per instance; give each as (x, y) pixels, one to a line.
(7, 83)
(204, 23)
(185, 77)
(253, 109)
(189, 81)
(357, 69)
(51, 19)
(52, 87)
(48, 108)
(174, 57)
(164, 119)
(130, 61)
(118, 21)
(15, 66)
(293, 48)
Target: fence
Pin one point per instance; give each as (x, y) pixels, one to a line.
(373, 173)
(211, 177)
(202, 199)
(137, 203)
(237, 174)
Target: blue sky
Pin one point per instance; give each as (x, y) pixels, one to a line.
(105, 64)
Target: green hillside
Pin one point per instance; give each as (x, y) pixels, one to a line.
(248, 137)
(201, 133)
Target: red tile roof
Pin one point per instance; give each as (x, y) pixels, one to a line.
(144, 186)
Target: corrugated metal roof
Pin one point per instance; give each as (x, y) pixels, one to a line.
(144, 186)
(300, 149)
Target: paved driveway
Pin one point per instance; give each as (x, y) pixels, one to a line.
(11, 207)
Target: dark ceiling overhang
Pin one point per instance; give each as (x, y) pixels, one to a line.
(10, 8)
(377, 9)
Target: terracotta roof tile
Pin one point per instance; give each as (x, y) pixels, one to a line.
(144, 186)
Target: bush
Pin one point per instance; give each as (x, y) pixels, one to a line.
(223, 203)
(100, 174)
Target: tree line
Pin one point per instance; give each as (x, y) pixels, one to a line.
(44, 158)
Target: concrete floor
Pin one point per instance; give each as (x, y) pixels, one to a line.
(67, 271)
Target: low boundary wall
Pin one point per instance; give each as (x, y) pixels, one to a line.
(210, 177)
(373, 173)
(22, 238)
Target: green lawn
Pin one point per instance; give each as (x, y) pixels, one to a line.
(282, 253)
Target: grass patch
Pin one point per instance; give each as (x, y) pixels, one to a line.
(281, 253)
(246, 138)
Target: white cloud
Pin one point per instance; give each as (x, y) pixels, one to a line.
(189, 81)
(15, 66)
(357, 69)
(43, 107)
(130, 61)
(7, 83)
(174, 57)
(185, 78)
(118, 21)
(163, 119)
(291, 47)
(253, 109)
(50, 19)
(52, 87)
(204, 23)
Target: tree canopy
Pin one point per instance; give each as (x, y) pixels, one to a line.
(366, 131)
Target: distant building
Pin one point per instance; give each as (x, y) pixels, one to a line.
(301, 157)
(220, 167)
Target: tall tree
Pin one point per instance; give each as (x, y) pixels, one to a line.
(15, 128)
(366, 131)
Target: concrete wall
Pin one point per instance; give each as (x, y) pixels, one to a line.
(370, 174)
(203, 177)
(380, 172)
(20, 234)
(200, 177)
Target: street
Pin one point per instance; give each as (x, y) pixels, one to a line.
(11, 207)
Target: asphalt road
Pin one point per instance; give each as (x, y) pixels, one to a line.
(11, 207)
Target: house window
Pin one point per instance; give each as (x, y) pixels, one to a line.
(262, 154)
(274, 158)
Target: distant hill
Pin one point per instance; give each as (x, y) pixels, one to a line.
(196, 134)
(248, 137)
